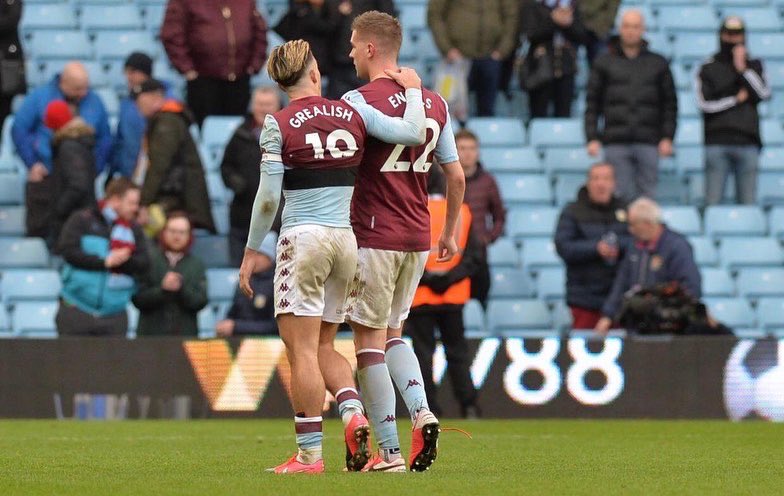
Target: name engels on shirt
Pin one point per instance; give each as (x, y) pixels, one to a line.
(317, 110)
(399, 98)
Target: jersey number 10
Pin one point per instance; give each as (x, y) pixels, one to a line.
(332, 144)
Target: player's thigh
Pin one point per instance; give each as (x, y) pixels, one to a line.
(411, 270)
(374, 286)
(339, 283)
(300, 335)
(303, 266)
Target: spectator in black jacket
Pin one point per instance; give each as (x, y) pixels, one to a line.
(555, 31)
(256, 315)
(314, 21)
(729, 88)
(658, 255)
(632, 89)
(590, 236)
(12, 81)
(240, 168)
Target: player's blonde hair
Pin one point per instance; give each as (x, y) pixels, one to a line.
(381, 28)
(288, 62)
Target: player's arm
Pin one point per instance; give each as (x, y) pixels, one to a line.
(265, 205)
(446, 154)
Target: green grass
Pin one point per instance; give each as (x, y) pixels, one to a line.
(504, 457)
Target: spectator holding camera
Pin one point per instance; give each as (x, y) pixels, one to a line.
(729, 87)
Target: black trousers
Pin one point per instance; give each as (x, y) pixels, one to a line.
(480, 283)
(559, 91)
(38, 201)
(209, 96)
(420, 326)
(73, 322)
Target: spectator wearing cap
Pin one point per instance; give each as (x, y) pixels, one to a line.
(174, 288)
(217, 48)
(33, 139)
(255, 315)
(729, 87)
(170, 172)
(73, 171)
(131, 124)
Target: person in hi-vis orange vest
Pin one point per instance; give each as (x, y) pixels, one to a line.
(443, 291)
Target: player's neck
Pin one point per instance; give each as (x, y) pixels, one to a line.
(376, 71)
(297, 93)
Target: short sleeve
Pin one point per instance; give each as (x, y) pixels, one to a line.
(271, 143)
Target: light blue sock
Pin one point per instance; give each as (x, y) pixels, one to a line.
(308, 430)
(378, 394)
(404, 369)
(348, 404)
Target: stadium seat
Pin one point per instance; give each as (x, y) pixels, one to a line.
(413, 18)
(11, 189)
(689, 132)
(694, 47)
(518, 316)
(29, 284)
(133, 320)
(510, 283)
(212, 250)
(683, 75)
(153, 17)
(5, 324)
(497, 131)
(557, 132)
(772, 132)
(110, 100)
(116, 45)
(670, 190)
(705, 252)
(738, 5)
(570, 160)
(538, 253)
(35, 319)
(221, 284)
(674, 19)
(47, 45)
(503, 253)
(660, 43)
(716, 282)
(771, 188)
(220, 214)
(567, 186)
(687, 104)
(511, 159)
(525, 189)
(690, 159)
(111, 17)
(750, 252)
(551, 284)
(47, 16)
(217, 130)
(562, 316)
(772, 159)
(12, 220)
(685, 220)
(735, 220)
(219, 193)
(776, 222)
(23, 253)
(767, 46)
(532, 222)
(760, 282)
(696, 190)
(774, 71)
(206, 321)
(732, 312)
(474, 319)
(770, 313)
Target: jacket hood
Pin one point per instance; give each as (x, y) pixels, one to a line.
(76, 128)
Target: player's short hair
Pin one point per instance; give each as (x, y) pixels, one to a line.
(382, 28)
(289, 61)
(466, 134)
(119, 187)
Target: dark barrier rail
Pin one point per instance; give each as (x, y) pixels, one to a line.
(517, 378)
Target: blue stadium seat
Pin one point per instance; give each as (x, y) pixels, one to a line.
(11, 189)
(12, 220)
(685, 220)
(428, 50)
(206, 321)
(674, 19)
(759, 19)
(767, 46)
(557, 132)
(133, 320)
(221, 284)
(694, 47)
(770, 313)
(35, 319)
(690, 159)
(551, 284)
(511, 159)
(5, 324)
(217, 130)
(116, 45)
(29, 284)
(716, 282)
(153, 17)
(774, 71)
(697, 190)
(497, 131)
(47, 16)
(474, 319)
(109, 17)
(110, 100)
(220, 214)
(687, 104)
(705, 252)
(735, 220)
(519, 316)
(503, 253)
(532, 222)
(562, 316)
(47, 45)
(772, 159)
(738, 4)
(510, 283)
(750, 252)
(772, 132)
(683, 76)
(670, 190)
(567, 186)
(219, 193)
(538, 253)
(761, 281)
(212, 250)
(23, 253)
(660, 43)
(733, 312)
(689, 132)
(413, 18)
(570, 160)
(525, 189)
(771, 188)
(776, 222)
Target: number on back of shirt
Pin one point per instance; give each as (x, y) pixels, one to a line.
(333, 138)
(393, 164)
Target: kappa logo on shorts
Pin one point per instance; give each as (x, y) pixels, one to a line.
(285, 242)
(284, 257)
(284, 272)
(353, 293)
(284, 287)
(349, 309)
(412, 382)
(284, 303)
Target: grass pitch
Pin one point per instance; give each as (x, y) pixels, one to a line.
(505, 457)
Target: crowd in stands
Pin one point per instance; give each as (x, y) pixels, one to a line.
(158, 237)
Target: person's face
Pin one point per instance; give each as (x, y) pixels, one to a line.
(632, 29)
(264, 103)
(148, 103)
(359, 55)
(641, 230)
(601, 184)
(74, 89)
(468, 152)
(135, 77)
(177, 234)
(127, 206)
(732, 38)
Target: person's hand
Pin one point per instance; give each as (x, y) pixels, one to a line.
(250, 261)
(191, 75)
(37, 173)
(495, 55)
(742, 95)
(562, 16)
(405, 77)
(447, 248)
(172, 281)
(454, 55)
(345, 7)
(117, 257)
(603, 326)
(665, 147)
(739, 57)
(224, 328)
(607, 251)
(123, 254)
(594, 147)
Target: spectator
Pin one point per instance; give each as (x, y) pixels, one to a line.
(73, 171)
(240, 168)
(255, 315)
(631, 88)
(104, 251)
(33, 140)
(174, 288)
(217, 48)
(174, 177)
(12, 78)
(131, 124)
(484, 31)
(730, 86)
(343, 74)
(555, 31)
(589, 238)
(599, 18)
(658, 255)
(487, 208)
(314, 21)
(439, 300)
